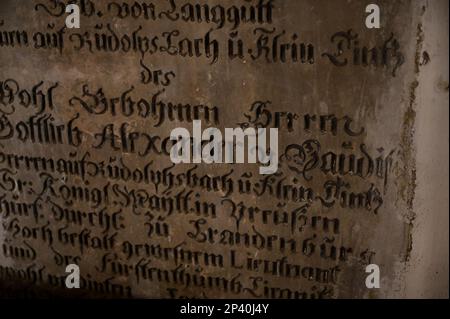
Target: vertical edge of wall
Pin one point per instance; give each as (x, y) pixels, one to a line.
(427, 272)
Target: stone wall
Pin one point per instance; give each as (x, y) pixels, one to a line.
(361, 168)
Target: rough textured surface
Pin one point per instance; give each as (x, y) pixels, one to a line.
(363, 150)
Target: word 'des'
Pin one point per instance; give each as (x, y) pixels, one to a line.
(207, 146)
